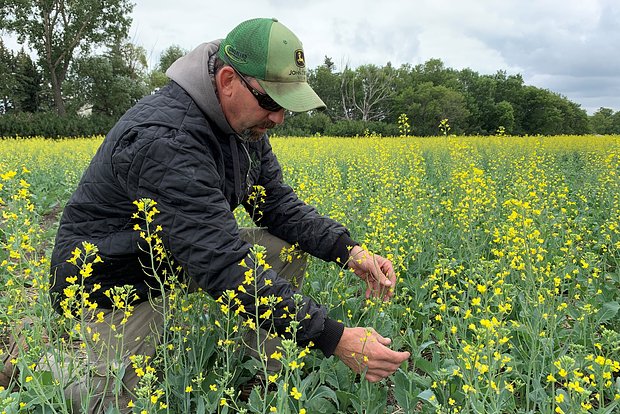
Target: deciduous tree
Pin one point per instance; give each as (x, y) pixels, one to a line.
(366, 92)
(57, 29)
(109, 84)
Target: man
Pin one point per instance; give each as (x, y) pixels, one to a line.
(197, 148)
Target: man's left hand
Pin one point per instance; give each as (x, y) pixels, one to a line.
(376, 271)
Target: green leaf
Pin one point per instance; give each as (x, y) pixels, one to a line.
(200, 406)
(405, 391)
(320, 405)
(345, 399)
(428, 396)
(537, 394)
(425, 345)
(428, 367)
(255, 401)
(608, 311)
(325, 392)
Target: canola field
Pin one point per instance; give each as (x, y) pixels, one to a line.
(508, 296)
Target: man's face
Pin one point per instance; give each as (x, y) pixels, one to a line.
(245, 115)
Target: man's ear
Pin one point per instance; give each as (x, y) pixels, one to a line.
(224, 79)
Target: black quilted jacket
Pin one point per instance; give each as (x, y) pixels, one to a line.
(166, 148)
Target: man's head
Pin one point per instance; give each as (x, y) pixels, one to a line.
(266, 50)
(264, 73)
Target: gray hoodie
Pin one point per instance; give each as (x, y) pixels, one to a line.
(192, 73)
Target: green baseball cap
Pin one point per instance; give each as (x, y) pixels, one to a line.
(268, 51)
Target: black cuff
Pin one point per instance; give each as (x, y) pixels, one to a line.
(330, 337)
(342, 248)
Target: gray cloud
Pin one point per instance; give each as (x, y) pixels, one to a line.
(567, 46)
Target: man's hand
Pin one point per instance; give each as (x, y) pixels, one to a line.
(364, 350)
(377, 271)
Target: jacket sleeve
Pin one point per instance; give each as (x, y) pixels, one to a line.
(201, 232)
(289, 218)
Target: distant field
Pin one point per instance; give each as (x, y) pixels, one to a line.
(507, 252)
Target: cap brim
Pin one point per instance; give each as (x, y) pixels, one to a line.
(294, 96)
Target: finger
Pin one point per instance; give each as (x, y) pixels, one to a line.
(389, 291)
(381, 278)
(389, 294)
(371, 377)
(380, 373)
(376, 285)
(404, 356)
(384, 341)
(389, 360)
(377, 290)
(390, 276)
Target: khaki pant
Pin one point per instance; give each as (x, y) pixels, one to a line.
(143, 331)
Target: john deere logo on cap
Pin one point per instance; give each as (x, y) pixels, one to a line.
(299, 58)
(237, 56)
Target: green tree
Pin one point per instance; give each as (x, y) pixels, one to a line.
(468, 86)
(8, 81)
(505, 116)
(29, 89)
(548, 113)
(601, 122)
(56, 30)
(509, 88)
(109, 84)
(479, 92)
(575, 118)
(20, 84)
(428, 104)
(615, 123)
(169, 56)
(157, 78)
(436, 72)
(326, 82)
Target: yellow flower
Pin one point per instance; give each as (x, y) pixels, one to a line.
(189, 388)
(294, 365)
(295, 394)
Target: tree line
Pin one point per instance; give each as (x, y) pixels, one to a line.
(86, 73)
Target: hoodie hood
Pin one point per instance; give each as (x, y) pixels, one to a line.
(191, 72)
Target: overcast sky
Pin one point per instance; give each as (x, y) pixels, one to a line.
(568, 46)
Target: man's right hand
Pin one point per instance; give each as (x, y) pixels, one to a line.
(363, 349)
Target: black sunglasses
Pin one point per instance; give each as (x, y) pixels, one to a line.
(264, 100)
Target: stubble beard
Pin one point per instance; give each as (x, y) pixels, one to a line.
(249, 135)
(253, 135)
